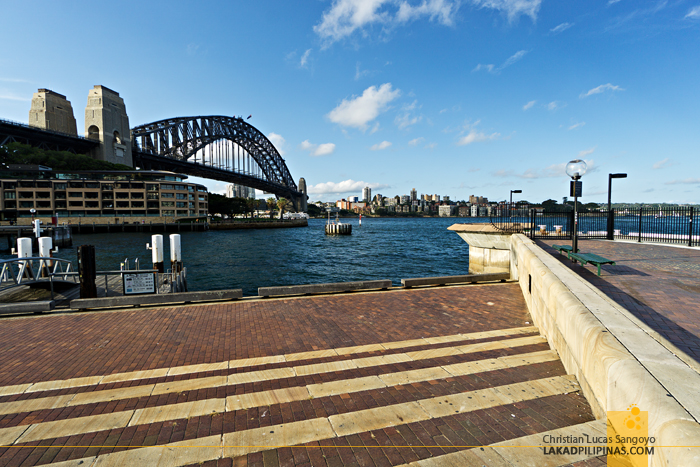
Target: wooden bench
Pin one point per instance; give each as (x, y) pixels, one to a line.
(594, 259)
(563, 248)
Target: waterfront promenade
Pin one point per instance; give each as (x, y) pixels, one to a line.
(375, 378)
(659, 284)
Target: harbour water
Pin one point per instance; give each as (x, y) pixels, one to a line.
(382, 248)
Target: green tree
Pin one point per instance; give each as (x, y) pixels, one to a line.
(17, 153)
(271, 205)
(252, 205)
(313, 210)
(281, 205)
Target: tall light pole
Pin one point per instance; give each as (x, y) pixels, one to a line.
(575, 169)
(511, 194)
(611, 218)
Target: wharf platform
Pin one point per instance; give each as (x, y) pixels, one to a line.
(454, 375)
(658, 284)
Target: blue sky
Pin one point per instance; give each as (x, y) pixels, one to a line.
(450, 97)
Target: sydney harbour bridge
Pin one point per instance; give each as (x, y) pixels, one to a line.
(214, 147)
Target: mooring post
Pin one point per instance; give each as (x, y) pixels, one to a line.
(87, 271)
(45, 246)
(157, 252)
(175, 253)
(24, 250)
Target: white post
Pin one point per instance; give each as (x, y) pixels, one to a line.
(24, 250)
(157, 252)
(45, 246)
(175, 253)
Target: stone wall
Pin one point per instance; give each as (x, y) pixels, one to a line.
(52, 111)
(588, 332)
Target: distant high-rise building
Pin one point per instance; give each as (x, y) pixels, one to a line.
(436, 198)
(405, 199)
(414, 194)
(234, 190)
(367, 194)
(353, 199)
(446, 199)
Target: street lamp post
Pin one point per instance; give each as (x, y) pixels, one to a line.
(510, 206)
(611, 218)
(575, 169)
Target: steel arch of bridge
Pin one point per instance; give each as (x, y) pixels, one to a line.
(181, 138)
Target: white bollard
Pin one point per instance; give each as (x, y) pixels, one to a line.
(45, 246)
(175, 253)
(157, 252)
(24, 250)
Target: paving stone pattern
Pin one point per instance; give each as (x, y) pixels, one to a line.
(62, 347)
(659, 284)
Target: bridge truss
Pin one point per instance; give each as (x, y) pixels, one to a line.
(215, 147)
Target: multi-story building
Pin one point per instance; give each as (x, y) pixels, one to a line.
(354, 199)
(405, 199)
(463, 211)
(446, 199)
(436, 198)
(366, 194)
(414, 194)
(446, 210)
(100, 196)
(234, 190)
(478, 200)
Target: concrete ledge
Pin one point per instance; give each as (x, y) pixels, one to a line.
(323, 288)
(418, 281)
(616, 363)
(27, 307)
(157, 299)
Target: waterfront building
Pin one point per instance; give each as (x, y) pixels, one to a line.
(366, 194)
(474, 209)
(378, 199)
(463, 211)
(478, 200)
(436, 198)
(414, 194)
(234, 190)
(446, 210)
(446, 199)
(98, 196)
(405, 199)
(353, 199)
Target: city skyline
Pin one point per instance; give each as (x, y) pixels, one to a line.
(467, 97)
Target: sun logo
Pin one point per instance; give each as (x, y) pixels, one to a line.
(634, 420)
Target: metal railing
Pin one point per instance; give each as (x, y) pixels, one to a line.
(30, 270)
(675, 225)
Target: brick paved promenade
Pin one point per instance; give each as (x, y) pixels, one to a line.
(362, 379)
(659, 284)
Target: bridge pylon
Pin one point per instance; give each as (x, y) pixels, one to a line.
(107, 122)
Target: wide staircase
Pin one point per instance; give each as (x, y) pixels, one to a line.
(484, 398)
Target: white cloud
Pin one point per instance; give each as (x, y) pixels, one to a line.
(357, 112)
(380, 146)
(513, 9)
(529, 105)
(561, 28)
(12, 97)
(431, 146)
(416, 141)
(509, 61)
(552, 171)
(577, 125)
(612, 2)
(600, 89)
(305, 58)
(476, 137)
(360, 73)
(686, 181)
(317, 150)
(404, 120)
(347, 16)
(586, 152)
(278, 141)
(489, 67)
(694, 13)
(661, 164)
(554, 105)
(346, 186)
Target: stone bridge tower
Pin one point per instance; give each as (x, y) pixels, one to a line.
(52, 111)
(303, 207)
(107, 122)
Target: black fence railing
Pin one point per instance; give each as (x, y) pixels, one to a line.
(677, 225)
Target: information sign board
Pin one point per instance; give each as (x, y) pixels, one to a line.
(139, 283)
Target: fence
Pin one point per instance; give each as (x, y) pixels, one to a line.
(676, 225)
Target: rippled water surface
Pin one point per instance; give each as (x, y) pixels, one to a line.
(247, 259)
